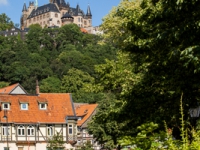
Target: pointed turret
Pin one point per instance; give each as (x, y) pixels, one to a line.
(78, 10)
(68, 4)
(24, 8)
(88, 11)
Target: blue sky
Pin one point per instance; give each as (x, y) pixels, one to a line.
(99, 8)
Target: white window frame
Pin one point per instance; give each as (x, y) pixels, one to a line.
(50, 130)
(3, 106)
(5, 130)
(70, 129)
(30, 131)
(21, 105)
(22, 130)
(40, 106)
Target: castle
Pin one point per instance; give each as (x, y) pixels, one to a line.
(55, 13)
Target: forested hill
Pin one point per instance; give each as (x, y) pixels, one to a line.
(61, 59)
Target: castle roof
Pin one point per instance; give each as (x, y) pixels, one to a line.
(43, 9)
(88, 11)
(24, 7)
(67, 15)
(61, 3)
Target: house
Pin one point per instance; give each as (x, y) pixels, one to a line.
(84, 113)
(27, 121)
(55, 13)
(15, 32)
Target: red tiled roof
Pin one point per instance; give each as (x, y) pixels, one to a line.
(58, 107)
(84, 30)
(85, 111)
(8, 89)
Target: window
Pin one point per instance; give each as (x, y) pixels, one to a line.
(24, 106)
(30, 130)
(41, 17)
(78, 19)
(81, 19)
(5, 130)
(70, 129)
(6, 148)
(58, 22)
(56, 15)
(6, 106)
(43, 106)
(21, 130)
(49, 130)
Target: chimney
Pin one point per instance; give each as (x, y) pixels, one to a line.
(37, 90)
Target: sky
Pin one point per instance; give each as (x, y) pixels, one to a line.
(99, 8)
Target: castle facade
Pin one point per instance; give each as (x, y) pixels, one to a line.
(55, 13)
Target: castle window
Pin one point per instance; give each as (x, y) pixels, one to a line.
(58, 22)
(37, 18)
(33, 19)
(41, 17)
(81, 19)
(78, 19)
(85, 22)
(56, 15)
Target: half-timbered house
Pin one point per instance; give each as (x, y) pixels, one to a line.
(27, 122)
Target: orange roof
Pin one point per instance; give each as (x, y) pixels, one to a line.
(8, 89)
(59, 106)
(85, 111)
(84, 30)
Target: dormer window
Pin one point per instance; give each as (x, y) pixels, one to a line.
(43, 106)
(6, 106)
(24, 106)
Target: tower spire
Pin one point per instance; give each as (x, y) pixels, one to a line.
(88, 11)
(24, 7)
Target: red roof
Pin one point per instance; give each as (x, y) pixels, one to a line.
(85, 111)
(84, 30)
(8, 89)
(58, 107)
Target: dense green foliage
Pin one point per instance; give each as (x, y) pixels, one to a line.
(56, 57)
(56, 142)
(162, 37)
(5, 22)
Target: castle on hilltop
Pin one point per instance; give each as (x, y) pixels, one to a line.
(55, 13)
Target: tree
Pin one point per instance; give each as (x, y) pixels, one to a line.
(163, 38)
(5, 22)
(50, 85)
(56, 142)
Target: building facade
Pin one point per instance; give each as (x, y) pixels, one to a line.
(84, 113)
(29, 121)
(55, 13)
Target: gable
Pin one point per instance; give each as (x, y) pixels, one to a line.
(18, 90)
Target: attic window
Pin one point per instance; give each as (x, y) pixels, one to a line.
(6, 106)
(24, 106)
(43, 106)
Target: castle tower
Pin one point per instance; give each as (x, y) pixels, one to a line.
(67, 19)
(89, 14)
(23, 17)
